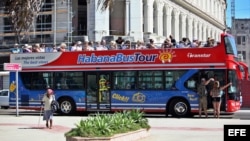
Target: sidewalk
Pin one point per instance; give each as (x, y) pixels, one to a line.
(27, 127)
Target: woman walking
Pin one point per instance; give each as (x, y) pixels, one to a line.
(48, 114)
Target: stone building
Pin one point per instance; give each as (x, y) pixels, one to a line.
(241, 31)
(69, 20)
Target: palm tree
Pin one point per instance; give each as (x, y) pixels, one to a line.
(22, 13)
(105, 4)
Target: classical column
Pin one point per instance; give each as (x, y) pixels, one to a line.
(190, 27)
(148, 17)
(176, 24)
(199, 31)
(209, 32)
(136, 19)
(169, 19)
(195, 29)
(204, 38)
(127, 17)
(159, 18)
(183, 25)
(165, 22)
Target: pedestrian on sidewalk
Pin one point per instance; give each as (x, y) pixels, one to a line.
(202, 92)
(48, 113)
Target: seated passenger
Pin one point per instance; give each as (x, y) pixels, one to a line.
(119, 42)
(126, 45)
(140, 45)
(87, 47)
(113, 45)
(151, 44)
(101, 45)
(194, 44)
(167, 44)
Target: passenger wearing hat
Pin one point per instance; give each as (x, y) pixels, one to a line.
(195, 43)
(48, 114)
(27, 48)
(16, 49)
(79, 46)
(63, 47)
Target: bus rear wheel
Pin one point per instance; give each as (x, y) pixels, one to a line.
(179, 108)
(67, 106)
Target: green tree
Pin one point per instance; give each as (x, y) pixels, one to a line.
(22, 13)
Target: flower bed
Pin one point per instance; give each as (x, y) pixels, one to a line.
(130, 136)
(126, 124)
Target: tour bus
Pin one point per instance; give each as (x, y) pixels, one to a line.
(152, 80)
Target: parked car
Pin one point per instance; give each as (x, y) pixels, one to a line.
(4, 98)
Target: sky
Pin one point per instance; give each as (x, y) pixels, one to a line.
(242, 10)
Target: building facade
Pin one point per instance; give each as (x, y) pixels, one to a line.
(65, 20)
(241, 31)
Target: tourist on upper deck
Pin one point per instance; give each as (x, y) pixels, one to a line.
(210, 42)
(151, 44)
(167, 44)
(195, 43)
(113, 45)
(27, 48)
(184, 43)
(101, 45)
(63, 47)
(16, 49)
(173, 41)
(35, 47)
(86, 46)
(91, 44)
(104, 44)
(42, 47)
(140, 45)
(79, 46)
(119, 42)
(55, 48)
(126, 45)
(73, 46)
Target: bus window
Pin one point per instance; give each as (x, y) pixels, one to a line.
(150, 79)
(34, 80)
(69, 80)
(171, 77)
(124, 80)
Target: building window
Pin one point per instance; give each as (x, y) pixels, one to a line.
(242, 26)
(243, 54)
(241, 40)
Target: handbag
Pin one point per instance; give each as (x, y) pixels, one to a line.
(54, 105)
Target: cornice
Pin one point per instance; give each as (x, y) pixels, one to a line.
(199, 13)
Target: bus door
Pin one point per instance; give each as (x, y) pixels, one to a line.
(98, 91)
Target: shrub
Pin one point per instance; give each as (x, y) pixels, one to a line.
(106, 125)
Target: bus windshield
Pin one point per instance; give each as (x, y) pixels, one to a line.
(230, 45)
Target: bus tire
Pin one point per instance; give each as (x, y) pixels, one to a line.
(179, 108)
(67, 106)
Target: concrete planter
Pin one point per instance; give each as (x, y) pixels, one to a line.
(130, 136)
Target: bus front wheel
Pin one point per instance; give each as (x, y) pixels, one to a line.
(67, 106)
(179, 108)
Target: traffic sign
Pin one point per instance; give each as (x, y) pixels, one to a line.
(12, 66)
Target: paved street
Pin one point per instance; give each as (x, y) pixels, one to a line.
(27, 127)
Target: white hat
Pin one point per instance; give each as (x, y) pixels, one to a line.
(79, 42)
